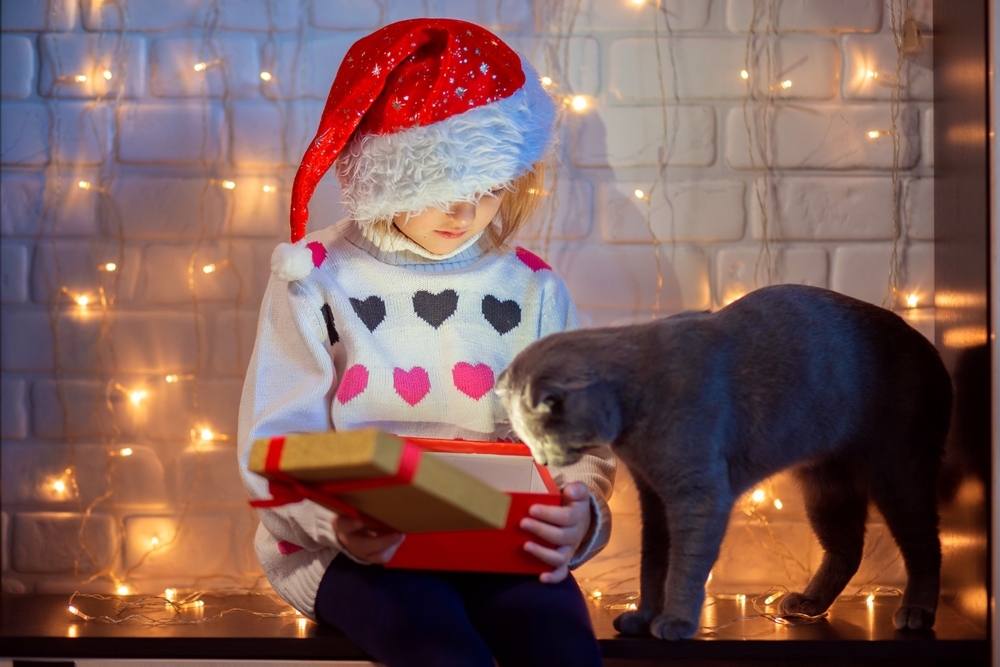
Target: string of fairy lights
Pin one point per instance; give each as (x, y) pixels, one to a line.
(556, 20)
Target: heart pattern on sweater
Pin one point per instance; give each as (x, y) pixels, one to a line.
(531, 260)
(435, 308)
(354, 382)
(503, 315)
(371, 311)
(473, 381)
(411, 385)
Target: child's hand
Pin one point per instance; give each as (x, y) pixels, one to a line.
(366, 543)
(564, 526)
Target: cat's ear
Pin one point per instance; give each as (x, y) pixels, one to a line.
(550, 401)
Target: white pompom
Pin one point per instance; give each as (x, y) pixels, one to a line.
(291, 262)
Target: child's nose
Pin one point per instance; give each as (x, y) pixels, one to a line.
(463, 213)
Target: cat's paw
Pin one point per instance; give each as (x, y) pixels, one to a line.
(672, 628)
(913, 618)
(632, 623)
(797, 603)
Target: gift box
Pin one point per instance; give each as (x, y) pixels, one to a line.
(387, 481)
(459, 502)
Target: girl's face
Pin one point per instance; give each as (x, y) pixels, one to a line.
(441, 232)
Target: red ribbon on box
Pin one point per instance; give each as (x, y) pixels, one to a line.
(285, 489)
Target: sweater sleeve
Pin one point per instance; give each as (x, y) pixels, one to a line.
(288, 388)
(597, 468)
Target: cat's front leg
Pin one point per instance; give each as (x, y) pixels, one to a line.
(698, 518)
(653, 568)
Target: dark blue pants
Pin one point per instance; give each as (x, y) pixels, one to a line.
(439, 619)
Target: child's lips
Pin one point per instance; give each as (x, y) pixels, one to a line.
(450, 235)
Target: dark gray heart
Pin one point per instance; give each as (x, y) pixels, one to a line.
(371, 311)
(435, 308)
(331, 330)
(503, 315)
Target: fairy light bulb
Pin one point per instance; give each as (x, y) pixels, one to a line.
(170, 593)
(758, 495)
(126, 451)
(206, 434)
(73, 610)
(265, 76)
(110, 266)
(137, 396)
(154, 542)
(597, 595)
(871, 74)
(107, 75)
(59, 485)
(122, 590)
(171, 378)
(786, 84)
(80, 78)
(772, 598)
(208, 268)
(229, 185)
(870, 600)
(84, 185)
(874, 134)
(200, 67)
(744, 74)
(911, 300)
(546, 80)
(269, 188)
(639, 194)
(82, 300)
(778, 504)
(579, 103)
(638, 3)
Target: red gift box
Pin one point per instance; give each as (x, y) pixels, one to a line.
(507, 466)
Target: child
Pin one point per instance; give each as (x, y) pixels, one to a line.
(401, 317)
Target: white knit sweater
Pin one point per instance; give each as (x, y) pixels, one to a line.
(383, 334)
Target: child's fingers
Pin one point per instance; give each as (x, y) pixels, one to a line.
(555, 558)
(381, 549)
(548, 532)
(555, 576)
(562, 515)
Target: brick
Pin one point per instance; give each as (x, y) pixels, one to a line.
(681, 211)
(346, 14)
(143, 15)
(84, 133)
(177, 408)
(92, 409)
(877, 54)
(259, 15)
(927, 132)
(305, 70)
(17, 59)
(582, 68)
(210, 477)
(167, 280)
(165, 207)
(918, 208)
(260, 205)
(30, 470)
(811, 64)
(807, 16)
(64, 57)
(862, 271)
(827, 209)
(679, 15)
(20, 203)
(141, 342)
(625, 276)
(564, 214)
(178, 133)
(739, 271)
(49, 542)
(32, 16)
(13, 273)
(303, 121)
(513, 13)
(258, 126)
(73, 210)
(79, 267)
(233, 335)
(232, 67)
(24, 133)
(748, 558)
(325, 209)
(14, 424)
(201, 547)
(825, 137)
(631, 137)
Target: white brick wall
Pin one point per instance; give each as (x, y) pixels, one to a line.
(156, 141)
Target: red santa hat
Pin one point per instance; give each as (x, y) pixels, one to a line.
(422, 113)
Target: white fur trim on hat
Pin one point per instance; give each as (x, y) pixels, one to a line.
(291, 262)
(456, 159)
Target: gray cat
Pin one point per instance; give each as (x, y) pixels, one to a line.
(703, 406)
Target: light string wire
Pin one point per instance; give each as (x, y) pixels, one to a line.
(895, 21)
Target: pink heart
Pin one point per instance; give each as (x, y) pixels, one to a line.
(354, 382)
(473, 381)
(318, 252)
(530, 259)
(287, 548)
(411, 385)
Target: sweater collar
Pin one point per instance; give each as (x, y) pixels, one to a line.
(397, 249)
